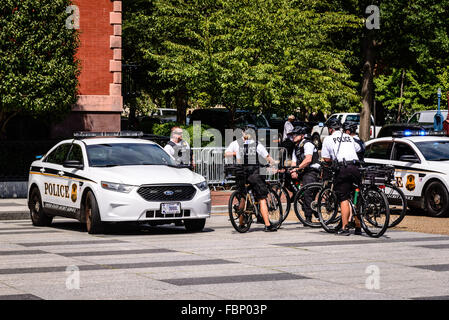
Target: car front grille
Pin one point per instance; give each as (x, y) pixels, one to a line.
(167, 192)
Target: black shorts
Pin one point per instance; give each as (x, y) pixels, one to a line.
(258, 185)
(344, 180)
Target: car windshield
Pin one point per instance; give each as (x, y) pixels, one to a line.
(434, 150)
(127, 154)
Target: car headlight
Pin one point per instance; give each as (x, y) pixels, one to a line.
(119, 187)
(202, 185)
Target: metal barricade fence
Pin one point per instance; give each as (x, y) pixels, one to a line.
(209, 162)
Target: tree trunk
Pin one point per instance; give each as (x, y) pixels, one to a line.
(398, 118)
(4, 119)
(367, 89)
(181, 106)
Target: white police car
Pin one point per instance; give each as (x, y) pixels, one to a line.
(114, 179)
(421, 164)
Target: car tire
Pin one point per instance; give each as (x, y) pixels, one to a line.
(316, 141)
(38, 217)
(436, 199)
(194, 225)
(92, 214)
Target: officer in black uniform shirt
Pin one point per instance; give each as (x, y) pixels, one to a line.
(305, 155)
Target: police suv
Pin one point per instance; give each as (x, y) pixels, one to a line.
(421, 161)
(114, 179)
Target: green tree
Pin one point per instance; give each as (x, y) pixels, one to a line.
(38, 71)
(253, 54)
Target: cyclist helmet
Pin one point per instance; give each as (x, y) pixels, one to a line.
(333, 124)
(351, 126)
(299, 130)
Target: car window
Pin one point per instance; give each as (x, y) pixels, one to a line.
(76, 153)
(379, 150)
(402, 149)
(353, 118)
(58, 156)
(434, 150)
(414, 118)
(127, 154)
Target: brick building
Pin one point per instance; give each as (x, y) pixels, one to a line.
(100, 101)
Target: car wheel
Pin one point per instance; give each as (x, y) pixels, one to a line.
(316, 141)
(194, 225)
(92, 214)
(38, 217)
(436, 199)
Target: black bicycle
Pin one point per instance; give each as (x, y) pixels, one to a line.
(242, 205)
(369, 205)
(286, 188)
(382, 176)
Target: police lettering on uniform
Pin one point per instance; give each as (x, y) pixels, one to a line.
(305, 155)
(178, 148)
(340, 147)
(247, 150)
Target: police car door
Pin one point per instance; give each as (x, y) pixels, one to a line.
(55, 188)
(407, 172)
(75, 178)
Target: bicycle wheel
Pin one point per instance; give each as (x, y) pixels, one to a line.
(299, 204)
(328, 213)
(275, 212)
(240, 219)
(374, 212)
(397, 203)
(285, 199)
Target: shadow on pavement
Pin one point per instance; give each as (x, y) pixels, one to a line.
(128, 229)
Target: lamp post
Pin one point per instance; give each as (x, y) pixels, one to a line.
(438, 119)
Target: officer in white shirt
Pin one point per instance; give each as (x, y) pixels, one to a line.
(178, 148)
(247, 151)
(305, 155)
(340, 147)
(350, 127)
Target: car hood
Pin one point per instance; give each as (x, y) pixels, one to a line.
(151, 174)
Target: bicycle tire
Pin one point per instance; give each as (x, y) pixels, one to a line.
(398, 204)
(284, 196)
(298, 204)
(234, 215)
(374, 206)
(328, 213)
(275, 209)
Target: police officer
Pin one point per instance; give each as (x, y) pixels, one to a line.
(350, 127)
(341, 148)
(306, 155)
(247, 151)
(178, 148)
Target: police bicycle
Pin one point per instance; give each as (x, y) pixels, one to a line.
(299, 192)
(382, 176)
(242, 205)
(368, 202)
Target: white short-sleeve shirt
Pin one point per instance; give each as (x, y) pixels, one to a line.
(234, 147)
(333, 149)
(309, 149)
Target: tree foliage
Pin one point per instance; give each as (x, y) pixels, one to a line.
(38, 71)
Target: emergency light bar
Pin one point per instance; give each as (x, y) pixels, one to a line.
(90, 134)
(422, 133)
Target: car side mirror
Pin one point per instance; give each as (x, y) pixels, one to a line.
(73, 164)
(409, 158)
(321, 124)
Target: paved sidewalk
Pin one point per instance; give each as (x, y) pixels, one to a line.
(16, 208)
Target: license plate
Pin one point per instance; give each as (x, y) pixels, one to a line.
(170, 208)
